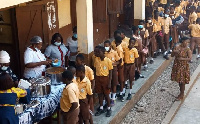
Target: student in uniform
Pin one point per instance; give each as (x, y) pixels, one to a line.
(116, 33)
(195, 34)
(125, 39)
(94, 56)
(103, 71)
(193, 15)
(69, 102)
(130, 54)
(73, 70)
(85, 95)
(113, 56)
(167, 29)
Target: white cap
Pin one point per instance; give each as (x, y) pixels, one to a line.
(4, 57)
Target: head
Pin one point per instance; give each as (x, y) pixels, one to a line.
(192, 8)
(177, 3)
(198, 21)
(117, 33)
(149, 19)
(118, 40)
(141, 24)
(184, 41)
(72, 69)
(107, 45)
(96, 50)
(101, 52)
(155, 5)
(156, 14)
(67, 77)
(80, 59)
(123, 35)
(131, 43)
(57, 39)
(167, 6)
(167, 12)
(135, 30)
(6, 81)
(75, 33)
(172, 9)
(36, 42)
(80, 71)
(4, 60)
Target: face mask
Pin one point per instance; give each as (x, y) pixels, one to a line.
(166, 15)
(107, 48)
(149, 21)
(57, 44)
(140, 26)
(4, 68)
(75, 36)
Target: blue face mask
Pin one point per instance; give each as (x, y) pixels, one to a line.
(75, 35)
(4, 68)
(138, 32)
(140, 26)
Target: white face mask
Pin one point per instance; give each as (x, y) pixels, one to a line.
(107, 49)
(57, 44)
(4, 68)
(166, 15)
(149, 21)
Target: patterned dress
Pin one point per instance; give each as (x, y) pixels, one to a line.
(181, 70)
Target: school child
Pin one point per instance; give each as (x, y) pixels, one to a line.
(96, 49)
(120, 68)
(130, 54)
(69, 102)
(85, 95)
(167, 30)
(103, 71)
(195, 34)
(152, 39)
(73, 70)
(198, 12)
(113, 56)
(116, 33)
(178, 8)
(193, 15)
(125, 39)
(139, 48)
(144, 33)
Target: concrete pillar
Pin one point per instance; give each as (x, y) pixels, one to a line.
(139, 9)
(84, 26)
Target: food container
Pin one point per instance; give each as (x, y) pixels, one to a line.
(19, 108)
(41, 87)
(55, 74)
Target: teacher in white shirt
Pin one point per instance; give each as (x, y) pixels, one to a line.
(35, 61)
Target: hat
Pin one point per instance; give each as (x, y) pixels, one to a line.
(4, 57)
(36, 39)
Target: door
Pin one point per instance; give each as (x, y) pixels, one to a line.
(30, 23)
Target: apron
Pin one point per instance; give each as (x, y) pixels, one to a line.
(7, 113)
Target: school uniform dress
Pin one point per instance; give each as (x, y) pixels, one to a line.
(181, 70)
(7, 102)
(57, 52)
(70, 95)
(73, 47)
(31, 56)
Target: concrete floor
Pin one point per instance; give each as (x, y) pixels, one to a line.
(189, 112)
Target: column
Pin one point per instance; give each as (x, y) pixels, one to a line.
(139, 9)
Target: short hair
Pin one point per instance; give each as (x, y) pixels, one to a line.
(68, 75)
(36, 39)
(172, 6)
(193, 7)
(122, 31)
(6, 81)
(80, 68)
(107, 41)
(97, 47)
(118, 39)
(132, 38)
(117, 32)
(80, 56)
(101, 48)
(56, 35)
(134, 28)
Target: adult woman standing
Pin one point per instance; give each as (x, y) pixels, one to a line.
(181, 69)
(35, 61)
(72, 45)
(57, 50)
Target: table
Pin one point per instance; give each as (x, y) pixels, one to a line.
(46, 107)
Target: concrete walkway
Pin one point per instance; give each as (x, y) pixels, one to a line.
(189, 112)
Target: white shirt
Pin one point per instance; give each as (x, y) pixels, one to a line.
(53, 52)
(31, 56)
(73, 47)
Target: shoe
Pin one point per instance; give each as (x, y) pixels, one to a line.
(124, 94)
(151, 61)
(99, 112)
(166, 57)
(108, 114)
(121, 98)
(170, 51)
(198, 56)
(129, 96)
(126, 86)
(154, 55)
(141, 76)
(112, 103)
(158, 54)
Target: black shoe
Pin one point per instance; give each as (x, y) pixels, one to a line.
(166, 57)
(124, 94)
(99, 112)
(129, 96)
(141, 76)
(108, 114)
(126, 86)
(121, 98)
(151, 61)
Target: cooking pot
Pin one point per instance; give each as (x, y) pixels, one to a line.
(41, 87)
(55, 74)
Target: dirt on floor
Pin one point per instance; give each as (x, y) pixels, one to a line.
(156, 102)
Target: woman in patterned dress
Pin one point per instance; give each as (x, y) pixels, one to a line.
(181, 70)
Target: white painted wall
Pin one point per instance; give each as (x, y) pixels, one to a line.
(139, 9)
